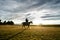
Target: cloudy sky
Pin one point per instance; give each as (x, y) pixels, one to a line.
(38, 11)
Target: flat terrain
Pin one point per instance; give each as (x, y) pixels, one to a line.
(16, 32)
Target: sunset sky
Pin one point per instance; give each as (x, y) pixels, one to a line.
(38, 11)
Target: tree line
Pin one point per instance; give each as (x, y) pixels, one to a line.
(7, 23)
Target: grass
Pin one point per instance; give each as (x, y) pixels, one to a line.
(16, 32)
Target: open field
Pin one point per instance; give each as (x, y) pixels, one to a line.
(16, 32)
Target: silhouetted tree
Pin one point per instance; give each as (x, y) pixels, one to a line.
(0, 22)
(7, 23)
(10, 23)
(4, 23)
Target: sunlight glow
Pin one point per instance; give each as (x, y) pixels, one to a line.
(37, 18)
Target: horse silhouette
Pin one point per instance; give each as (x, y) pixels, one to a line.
(26, 24)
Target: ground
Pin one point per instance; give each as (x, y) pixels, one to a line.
(16, 32)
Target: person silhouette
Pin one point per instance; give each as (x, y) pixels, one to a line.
(26, 20)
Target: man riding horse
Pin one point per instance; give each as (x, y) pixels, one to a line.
(26, 23)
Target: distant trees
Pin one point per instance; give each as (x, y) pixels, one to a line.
(7, 23)
(10, 23)
(0, 22)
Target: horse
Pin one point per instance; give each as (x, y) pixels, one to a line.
(26, 24)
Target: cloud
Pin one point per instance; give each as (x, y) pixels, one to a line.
(32, 9)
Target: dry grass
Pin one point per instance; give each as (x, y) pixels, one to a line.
(16, 32)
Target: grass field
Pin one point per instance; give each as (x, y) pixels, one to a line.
(16, 32)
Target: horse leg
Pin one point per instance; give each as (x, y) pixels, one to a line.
(22, 26)
(28, 26)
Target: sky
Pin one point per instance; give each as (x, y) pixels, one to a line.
(38, 11)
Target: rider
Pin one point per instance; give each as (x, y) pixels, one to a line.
(26, 20)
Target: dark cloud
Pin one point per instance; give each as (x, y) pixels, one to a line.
(53, 18)
(57, 1)
(49, 16)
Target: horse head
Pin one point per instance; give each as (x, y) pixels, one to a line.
(31, 22)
